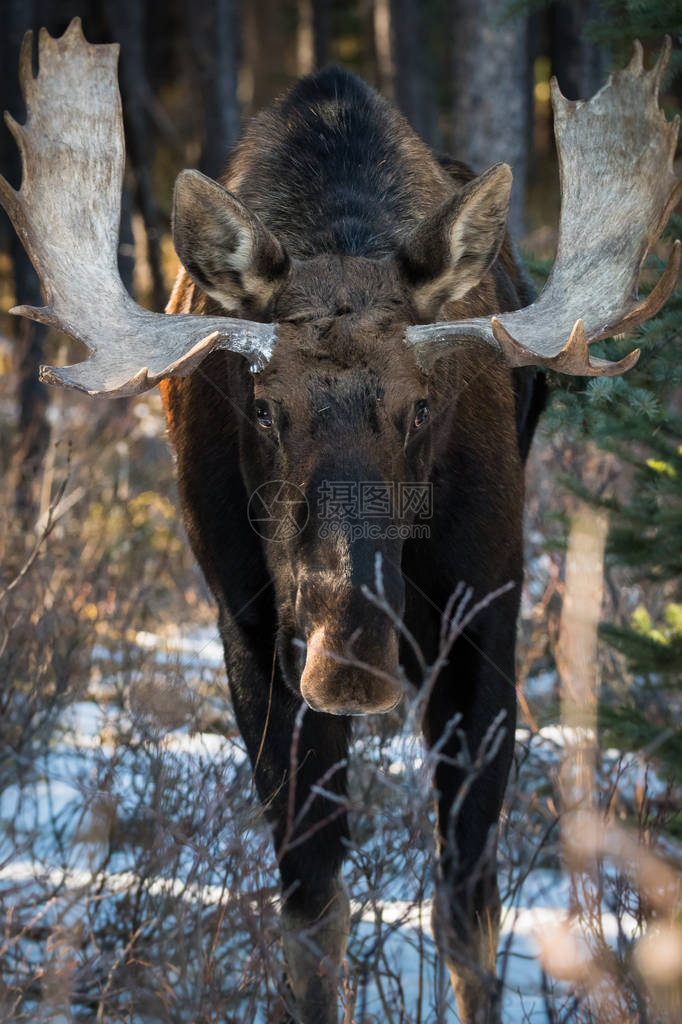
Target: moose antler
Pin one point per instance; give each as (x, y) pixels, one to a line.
(618, 190)
(67, 216)
(615, 158)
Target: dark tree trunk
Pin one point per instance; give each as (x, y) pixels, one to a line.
(265, 64)
(414, 82)
(313, 35)
(492, 93)
(383, 47)
(581, 68)
(214, 33)
(322, 32)
(404, 74)
(126, 25)
(126, 243)
(33, 426)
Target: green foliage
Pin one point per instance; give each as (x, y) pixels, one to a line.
(621, 21)
(650, 648)
(629, 727)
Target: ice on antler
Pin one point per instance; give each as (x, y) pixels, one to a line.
(618, 189)
(67, 215)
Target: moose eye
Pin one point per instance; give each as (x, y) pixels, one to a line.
(421, 414)
(263, 414)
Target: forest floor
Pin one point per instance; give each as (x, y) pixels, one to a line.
(137, 855)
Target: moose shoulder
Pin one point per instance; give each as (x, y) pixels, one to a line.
(350, 325)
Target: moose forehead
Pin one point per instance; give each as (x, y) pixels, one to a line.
(340, 346)
(337, 285)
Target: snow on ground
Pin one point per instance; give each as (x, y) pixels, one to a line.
(202, 646)
(63, 789)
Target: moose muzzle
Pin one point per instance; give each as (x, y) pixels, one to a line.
(349, 594)
(355, 677)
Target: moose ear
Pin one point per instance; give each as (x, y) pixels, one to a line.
(451, 249)
(225, 248)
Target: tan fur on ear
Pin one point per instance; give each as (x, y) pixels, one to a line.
(452, 249)
(225, 248)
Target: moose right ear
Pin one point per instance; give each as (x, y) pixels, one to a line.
(226, 250)
(448, 253)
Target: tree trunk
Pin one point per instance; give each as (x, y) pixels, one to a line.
(126, 23)
(414, 82)
(305, 47)
(214, 32)
(492, 92)
(322, 32)
(403, 64)
(313, 35)
(383, 47)
(33, 428)
(581, 68)
(267, 65)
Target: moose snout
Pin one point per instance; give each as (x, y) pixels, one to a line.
(351, 653)
(358, 678)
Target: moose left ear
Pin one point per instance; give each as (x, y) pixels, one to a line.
(225, 248)
(451, 249)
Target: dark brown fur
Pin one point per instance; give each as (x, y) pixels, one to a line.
(340, 228)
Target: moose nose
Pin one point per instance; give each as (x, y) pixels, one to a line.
(362, 681)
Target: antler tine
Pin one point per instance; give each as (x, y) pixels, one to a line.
(661, 64)
(636, 65)
(67, 215)
(618, 189)
(573, 359)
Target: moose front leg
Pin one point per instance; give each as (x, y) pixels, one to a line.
(310, 830)
(470, 721)
(309, 837)
(465, 923)
(301, 757)
(314, 934)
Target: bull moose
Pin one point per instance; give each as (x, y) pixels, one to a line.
(350, 310)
